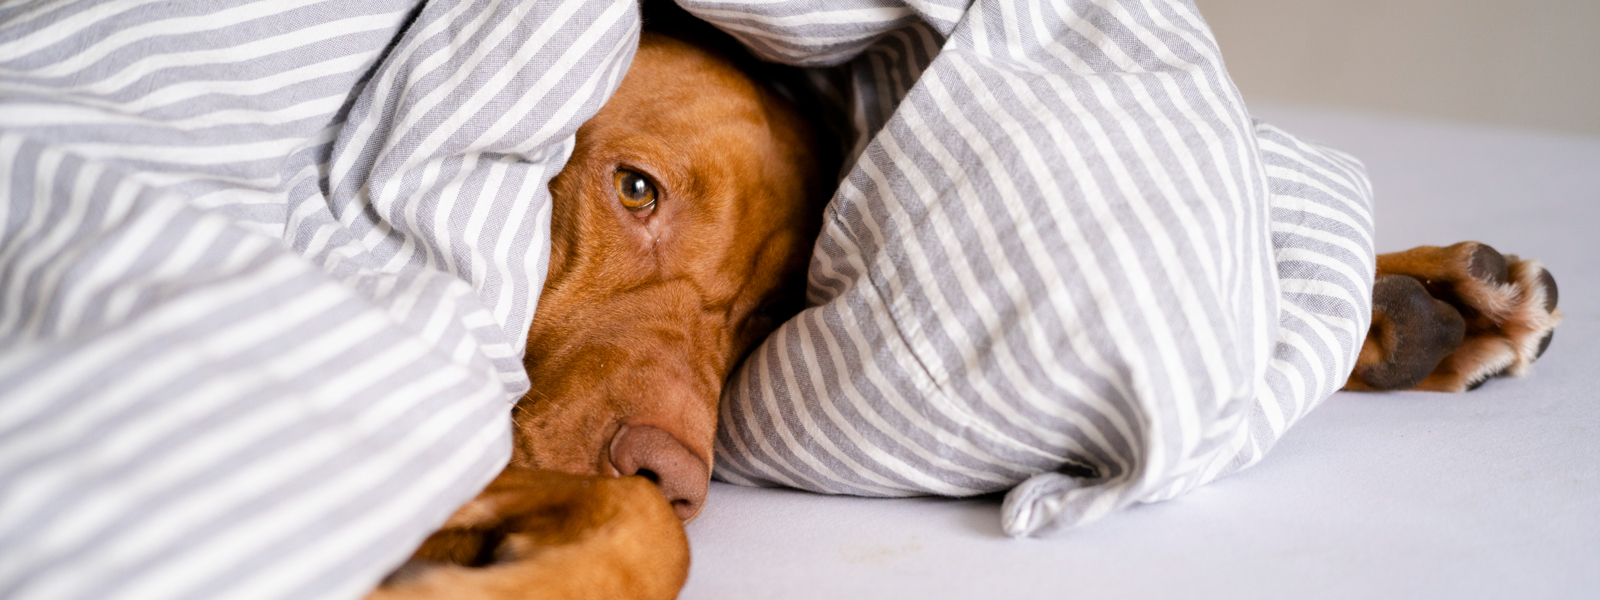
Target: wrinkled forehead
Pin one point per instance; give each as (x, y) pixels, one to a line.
(680, 92)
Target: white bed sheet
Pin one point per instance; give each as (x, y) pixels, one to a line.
(1490, 494)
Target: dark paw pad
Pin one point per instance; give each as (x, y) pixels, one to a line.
(1412, 331)
(1551, 293)
(1488, 265)
(1544, 344)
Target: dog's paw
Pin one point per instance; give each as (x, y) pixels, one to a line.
(551, 535)
(1450, 318)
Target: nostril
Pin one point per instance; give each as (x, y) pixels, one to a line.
(652, 453)
(648, 474)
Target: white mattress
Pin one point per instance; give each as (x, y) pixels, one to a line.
(1490, 494)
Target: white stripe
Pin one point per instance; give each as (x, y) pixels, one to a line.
(52, 241)
(1010, 199)
(855, 17)
(27, 114)
(67, 28)
(388, 78)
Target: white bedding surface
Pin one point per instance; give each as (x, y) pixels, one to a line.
(1490, 494)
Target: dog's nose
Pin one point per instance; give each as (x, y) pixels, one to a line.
(655, 454)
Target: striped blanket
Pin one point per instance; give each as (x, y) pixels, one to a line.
(266, 270)
(1065, 262)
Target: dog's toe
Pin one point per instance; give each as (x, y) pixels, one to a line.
(1531, 323)
(1486, 264)
(1552, 295)
(1478, 360)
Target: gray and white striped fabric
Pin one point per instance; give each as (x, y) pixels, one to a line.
(1064, 261)
(266, 268)
(266, 272)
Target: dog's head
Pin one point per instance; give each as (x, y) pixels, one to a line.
(682, 227)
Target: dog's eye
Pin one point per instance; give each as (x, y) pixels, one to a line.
(634, 190)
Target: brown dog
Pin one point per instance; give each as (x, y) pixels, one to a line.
(682, 227)
(687, 210)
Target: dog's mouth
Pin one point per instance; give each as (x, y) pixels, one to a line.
(622, 406)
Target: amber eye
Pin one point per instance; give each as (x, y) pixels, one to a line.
(634, 190)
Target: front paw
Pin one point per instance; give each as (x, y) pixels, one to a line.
(542, 534)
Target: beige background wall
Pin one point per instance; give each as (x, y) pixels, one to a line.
(1532, 64)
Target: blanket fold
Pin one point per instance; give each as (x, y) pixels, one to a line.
(266, 268)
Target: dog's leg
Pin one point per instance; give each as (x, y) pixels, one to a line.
(541, 534)
(1449, 318)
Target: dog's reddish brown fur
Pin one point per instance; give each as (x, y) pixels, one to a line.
(543, 534)
(1448, 319)
(644, 315)
(646, 312)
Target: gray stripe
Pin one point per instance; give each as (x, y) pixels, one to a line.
(161, 360)
(1060, 244)
(1068, 240)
